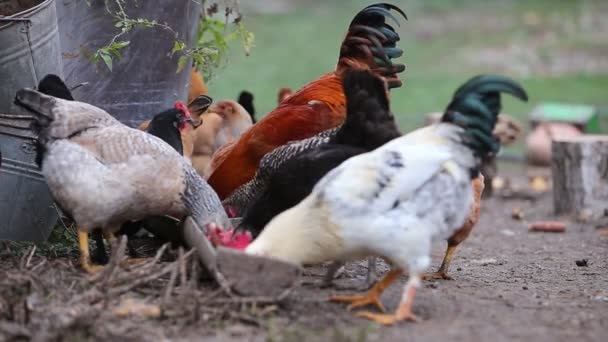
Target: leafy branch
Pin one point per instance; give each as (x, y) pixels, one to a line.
(210, 49)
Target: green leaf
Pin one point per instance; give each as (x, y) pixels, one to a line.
(107, 59)
(120, 45)
(181, 62)
(178, 46)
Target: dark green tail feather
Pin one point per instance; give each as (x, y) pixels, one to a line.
(475, 107)
(371, 39)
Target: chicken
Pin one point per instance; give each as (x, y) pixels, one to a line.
(236, 120)
(369, 44)
(394, 201)
(197, 86)
(284, 93)
(461, 234)
(223, 123)
(186, 131)
(246, 100)
(368, 125)
(103, 173)
(170, 126)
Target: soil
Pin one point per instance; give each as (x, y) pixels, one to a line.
(509, 285)
(10, 7)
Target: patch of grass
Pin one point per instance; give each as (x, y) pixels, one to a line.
(299, 46)
(62, 242)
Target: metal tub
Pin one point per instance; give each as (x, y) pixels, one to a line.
(142, 83)
(30, 50)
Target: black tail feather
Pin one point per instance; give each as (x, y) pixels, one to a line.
(369, 122)
(370, 39)
(53, 85)
(246, 100)
(475, 107)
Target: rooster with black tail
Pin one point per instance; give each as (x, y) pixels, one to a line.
(370, 44)
(394, 201)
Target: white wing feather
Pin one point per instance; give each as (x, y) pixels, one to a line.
(373, 182)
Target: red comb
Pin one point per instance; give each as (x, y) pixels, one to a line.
(179, 105)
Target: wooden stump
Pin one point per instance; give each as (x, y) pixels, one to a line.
(580, 175)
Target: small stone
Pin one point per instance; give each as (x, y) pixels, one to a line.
(524, 287)
(459, 269)
(582, 263)
(517, 213)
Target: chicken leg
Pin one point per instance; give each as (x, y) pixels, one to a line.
(373, 295)
(463, 233)
(85, 257)
(442, 272)
(404, 311)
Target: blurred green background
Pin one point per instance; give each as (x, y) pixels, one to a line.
(557, 49)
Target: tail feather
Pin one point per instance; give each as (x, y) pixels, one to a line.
(371, 42)
(369, 122)
(246, 100)
(491, 83)
(53, 85)
(475, 107)
(200, 104)
(35, 102)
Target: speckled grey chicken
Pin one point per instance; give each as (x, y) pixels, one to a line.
(103, 173)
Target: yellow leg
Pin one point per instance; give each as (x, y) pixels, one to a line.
(442, 272)
(404, 311)
(85, 258)
(372, 296)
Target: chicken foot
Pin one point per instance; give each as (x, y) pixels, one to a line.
(442, 272)
(85, 257)
(404, 311)
(373, 295)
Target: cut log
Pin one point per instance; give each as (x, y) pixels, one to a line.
(580, 175)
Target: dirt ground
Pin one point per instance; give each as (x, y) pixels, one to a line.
(509, 285)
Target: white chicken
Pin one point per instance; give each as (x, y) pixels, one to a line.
(103, 173)
(394, 201)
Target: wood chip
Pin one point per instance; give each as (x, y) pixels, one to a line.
(547, 227)
(132, 307)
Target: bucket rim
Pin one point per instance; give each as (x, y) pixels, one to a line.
(25, 14)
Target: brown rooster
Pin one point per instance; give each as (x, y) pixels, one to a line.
(197, 86)
(284, 93)
(369, 44)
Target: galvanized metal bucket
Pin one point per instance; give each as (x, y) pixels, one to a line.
(30, 50)
(144, 81)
